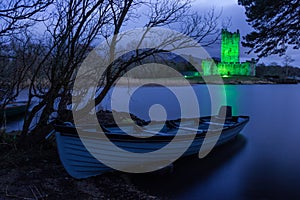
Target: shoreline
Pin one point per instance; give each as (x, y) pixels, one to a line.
(213, 80)
(37, 173)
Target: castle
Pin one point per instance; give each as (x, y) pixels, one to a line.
(230, 59)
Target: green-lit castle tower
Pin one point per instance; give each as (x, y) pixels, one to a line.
(230, 58)
(230, 46)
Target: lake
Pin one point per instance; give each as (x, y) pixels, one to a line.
(262, 163)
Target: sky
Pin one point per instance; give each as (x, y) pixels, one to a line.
(231, 9)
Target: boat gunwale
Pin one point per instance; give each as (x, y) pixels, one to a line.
(115, 137)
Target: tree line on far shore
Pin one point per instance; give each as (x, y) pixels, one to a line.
(277, 71)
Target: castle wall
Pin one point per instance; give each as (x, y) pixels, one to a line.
(209, 67)
(230, 69)
(230, 59)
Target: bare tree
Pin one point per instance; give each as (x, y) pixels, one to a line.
(70, 33)
(18, 14)
(204, 28)
(287, 60)
(18, 61)
(73, 26)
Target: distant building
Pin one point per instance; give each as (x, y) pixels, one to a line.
(230, 59)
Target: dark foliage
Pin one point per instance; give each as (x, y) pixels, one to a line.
(276, 25)
(277, 71)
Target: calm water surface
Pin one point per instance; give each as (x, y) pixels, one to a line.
(262, 163)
